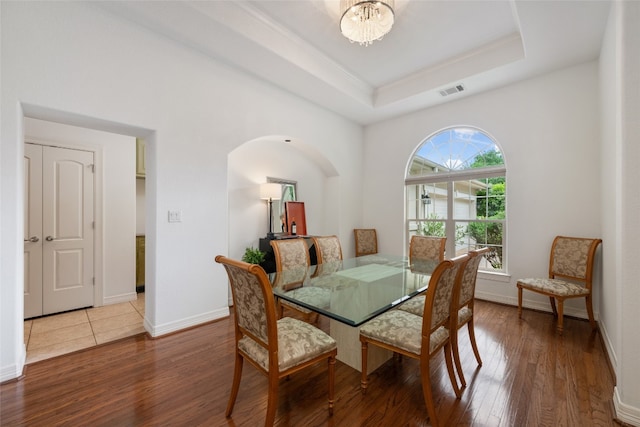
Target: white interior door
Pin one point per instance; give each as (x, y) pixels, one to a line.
(66, 242)
(32, 230)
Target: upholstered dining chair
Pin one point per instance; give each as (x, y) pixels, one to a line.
(419, 337)
(425, 252)
(328, 254)
(328, 248)
(276, 347)
(464, 307)
(292, 255)
(462, 304)
(366, 241)
(570, 276)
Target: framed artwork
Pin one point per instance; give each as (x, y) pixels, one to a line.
(295, 211)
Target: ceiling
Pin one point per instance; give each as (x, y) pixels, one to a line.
(433, 46)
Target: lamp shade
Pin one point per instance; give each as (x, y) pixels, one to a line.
(270, 191)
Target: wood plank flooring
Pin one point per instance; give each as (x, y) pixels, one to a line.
(530, 377)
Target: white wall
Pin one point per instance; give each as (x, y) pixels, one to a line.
(620, 109)
(249, 166)
(76, 63)
(548, 130)
(115, 202)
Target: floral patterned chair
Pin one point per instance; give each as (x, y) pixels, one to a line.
(419, 337)
(366, 241)
(292, 260)
(463, 299)
(570, 276)
(463, 305)
(328, 254)
(328, 249)
(278, 348)
(425, 252)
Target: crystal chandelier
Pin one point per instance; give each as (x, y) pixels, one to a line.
(366, 21)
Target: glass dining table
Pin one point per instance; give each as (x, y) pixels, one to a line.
(352, 291)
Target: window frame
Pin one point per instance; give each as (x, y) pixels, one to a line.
(450, 177)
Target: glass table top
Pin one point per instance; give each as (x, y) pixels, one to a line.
(353, 290)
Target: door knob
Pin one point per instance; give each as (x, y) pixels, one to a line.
(34, 239)
(49, 239)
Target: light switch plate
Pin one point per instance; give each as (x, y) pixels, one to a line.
(175, 216)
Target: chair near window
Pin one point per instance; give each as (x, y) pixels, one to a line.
(292, 259)
(463, 299)
(425, 252)
(464, 307)
(420, 337)
(366, 241)
(277, 348)
(570, 276)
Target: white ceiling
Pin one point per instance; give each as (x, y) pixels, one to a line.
(433, 45)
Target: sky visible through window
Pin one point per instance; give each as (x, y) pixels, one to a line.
(456, 148)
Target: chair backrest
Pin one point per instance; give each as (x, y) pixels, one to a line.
(366, 241)
(290, 253)
(328, 249)
(438, 302)
(572, 258)
(426, 248)
(469, 276)
(253, 301)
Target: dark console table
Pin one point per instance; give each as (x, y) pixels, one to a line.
(269, 263)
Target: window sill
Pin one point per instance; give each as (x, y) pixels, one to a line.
(494, 277)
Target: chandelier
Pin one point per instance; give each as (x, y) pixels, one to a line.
(366, 21)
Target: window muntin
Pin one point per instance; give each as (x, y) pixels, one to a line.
(456, 188)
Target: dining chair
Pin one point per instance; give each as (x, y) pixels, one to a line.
(425, 252)
(570, 276)
(328, 248)
(292, 257)
(366, 241)
(328, 254)
(276, 347)
(419, 337)
(463, 301)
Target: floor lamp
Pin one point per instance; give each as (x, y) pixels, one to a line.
(270, 191)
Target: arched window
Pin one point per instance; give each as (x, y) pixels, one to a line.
(456, 188)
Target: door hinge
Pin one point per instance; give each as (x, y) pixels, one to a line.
(94, 281)
(93, 168)
(93, 225)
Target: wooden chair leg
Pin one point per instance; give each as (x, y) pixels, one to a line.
(552, 301)
(450, 370)
(427, 392)
(456, 357)
(560, 315)
(272, 399)
(237, 374)
(472, 338)
(592, 320)
(332, 377)
(519, 302)
(363, 380)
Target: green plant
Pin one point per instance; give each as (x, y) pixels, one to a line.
(253, 255)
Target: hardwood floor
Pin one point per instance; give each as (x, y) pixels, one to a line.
(530, 377)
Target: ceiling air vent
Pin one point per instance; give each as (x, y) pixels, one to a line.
(452, 90)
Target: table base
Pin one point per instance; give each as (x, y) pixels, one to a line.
(350, 349)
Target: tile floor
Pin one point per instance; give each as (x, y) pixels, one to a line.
(64, 333)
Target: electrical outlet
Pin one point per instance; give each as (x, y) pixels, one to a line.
(175, 216)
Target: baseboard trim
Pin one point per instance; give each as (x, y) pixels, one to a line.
(170, 327)
(625, 414)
